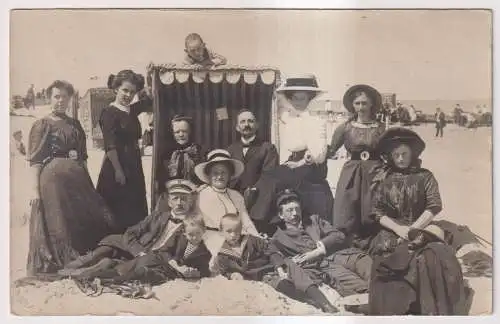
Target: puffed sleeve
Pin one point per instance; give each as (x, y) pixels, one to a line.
(82, 141)
(109, 123)
(337, 140)
(38, 149)
(432, 196)
(145, 104)
(316, 138)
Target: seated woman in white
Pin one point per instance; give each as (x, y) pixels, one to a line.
(215, 198)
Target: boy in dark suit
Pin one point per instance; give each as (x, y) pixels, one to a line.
(246, 257)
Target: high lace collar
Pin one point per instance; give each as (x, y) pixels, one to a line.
(220, 190)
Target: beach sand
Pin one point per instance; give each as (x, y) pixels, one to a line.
(461, 162)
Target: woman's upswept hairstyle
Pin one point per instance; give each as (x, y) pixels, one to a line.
(115, 81)
(60, 84)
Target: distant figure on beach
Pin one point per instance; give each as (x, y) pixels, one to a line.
(440, 122)
(18, 141)
(457, 115)
(199, 55)
(30, 97)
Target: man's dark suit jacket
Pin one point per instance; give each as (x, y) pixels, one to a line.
(261, 157)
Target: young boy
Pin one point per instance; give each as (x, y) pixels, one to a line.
(184, 255)
(246, 257)
(199, 55)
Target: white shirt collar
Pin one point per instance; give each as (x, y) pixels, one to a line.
(245, 141)
(121, 107)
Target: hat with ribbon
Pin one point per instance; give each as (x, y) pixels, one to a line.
(218, 156)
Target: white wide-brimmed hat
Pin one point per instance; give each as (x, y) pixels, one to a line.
(218, 156)
(302, 82)
(432, 229)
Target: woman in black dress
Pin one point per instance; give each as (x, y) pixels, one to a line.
(121, 180)
(68, 216)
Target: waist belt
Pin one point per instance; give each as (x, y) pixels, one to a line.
(364, 156)
(71, 154)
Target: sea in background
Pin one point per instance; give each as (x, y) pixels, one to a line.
(427, 106)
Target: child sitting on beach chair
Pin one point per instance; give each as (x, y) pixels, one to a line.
(246, 257)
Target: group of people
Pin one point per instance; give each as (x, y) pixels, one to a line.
(242, 212)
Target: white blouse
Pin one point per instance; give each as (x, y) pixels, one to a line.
(299, 129)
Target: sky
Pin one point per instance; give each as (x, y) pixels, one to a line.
(420, 55)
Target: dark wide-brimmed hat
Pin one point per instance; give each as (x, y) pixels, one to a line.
(400, 135)
(371, 92)
(216, 156)
(304, 82)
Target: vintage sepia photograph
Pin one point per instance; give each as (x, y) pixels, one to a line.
(251, 162)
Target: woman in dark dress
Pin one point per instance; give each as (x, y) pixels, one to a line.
(121, 180)
(360, 136)
(68, 215)
(407, 195)
(414, 271)
(181, 154)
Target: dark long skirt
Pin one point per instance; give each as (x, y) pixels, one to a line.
(69, 219)
(353, 197)
(309, 182)
(128, 201)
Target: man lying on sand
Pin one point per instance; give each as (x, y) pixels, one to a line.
(169, 240)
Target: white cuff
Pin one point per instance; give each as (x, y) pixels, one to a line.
(321, 247)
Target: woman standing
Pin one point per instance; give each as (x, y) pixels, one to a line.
(360, 136)
(121, 180)
(68, 215)
(303, 151)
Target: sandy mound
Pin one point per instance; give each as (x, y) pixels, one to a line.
(214, 296)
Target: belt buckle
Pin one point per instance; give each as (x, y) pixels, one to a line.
(73, 154)
(365, 155)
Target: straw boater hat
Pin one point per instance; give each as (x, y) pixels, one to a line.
(371, 92)
(400, 135)
(303, 82)
(218, 156)
(180, 186)
(432, 229)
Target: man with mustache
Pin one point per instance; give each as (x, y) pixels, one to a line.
(257, 155)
